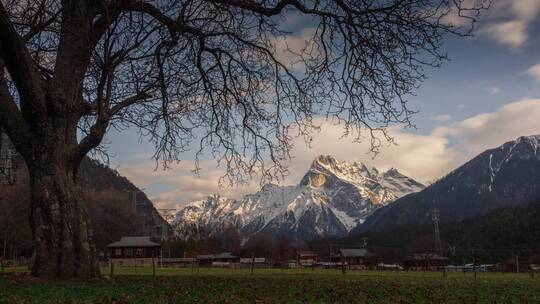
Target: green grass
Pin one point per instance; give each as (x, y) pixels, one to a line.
(274, 286)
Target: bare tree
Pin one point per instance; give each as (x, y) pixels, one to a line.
(196, 74)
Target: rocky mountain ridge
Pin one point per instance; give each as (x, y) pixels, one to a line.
(331, 199)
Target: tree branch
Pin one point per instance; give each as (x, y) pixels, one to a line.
(22, 69)
(11, 119)
(98, 130)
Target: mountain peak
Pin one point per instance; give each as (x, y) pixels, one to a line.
(533, 140)
(393, 172)
(324, 160)
(333, 197)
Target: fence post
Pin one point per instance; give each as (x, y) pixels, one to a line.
(444, 271)
(517, 264)
(154, 267)
(252, 262)
(2, 265)
(112, 267)
(343, 270)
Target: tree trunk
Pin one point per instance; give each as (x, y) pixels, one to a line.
(63, 239)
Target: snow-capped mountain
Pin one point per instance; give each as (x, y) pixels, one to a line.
(332, 198)
(503, 176)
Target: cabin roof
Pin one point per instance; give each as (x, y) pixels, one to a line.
(134, 241)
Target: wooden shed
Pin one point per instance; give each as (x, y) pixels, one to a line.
(354, 257)
(134, 251)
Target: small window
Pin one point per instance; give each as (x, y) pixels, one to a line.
(129, 252)
(118, 252)
(139, 252)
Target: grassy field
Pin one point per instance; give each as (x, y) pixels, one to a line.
(131, 285)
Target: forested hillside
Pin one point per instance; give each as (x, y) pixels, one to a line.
(496, 236)
(116, 207)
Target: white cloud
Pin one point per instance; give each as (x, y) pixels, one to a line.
(525, 9)
(508, 22)
(534, 71)
(441, 118)
(422, 156)
(512, 33)
(186, 185)
(488, 130)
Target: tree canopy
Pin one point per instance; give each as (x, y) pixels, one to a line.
(208, 73)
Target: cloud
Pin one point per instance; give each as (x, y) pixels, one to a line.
(525, 9)
(488, 130)
(493, 90)
(180, 182)
(534, 71)
(422, 156)
(441, 118)
(512, 33)
(508, 22)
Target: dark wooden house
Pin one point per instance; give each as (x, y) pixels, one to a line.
(134, 251)
(355, 257)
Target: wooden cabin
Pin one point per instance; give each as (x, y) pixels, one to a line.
(134, 251)
(355, 258)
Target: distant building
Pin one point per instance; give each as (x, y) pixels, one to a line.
(307, 258)
(355, 257)
(178, 262)
(425, 261)
(256, 262)
(223, 259)
(134, 251)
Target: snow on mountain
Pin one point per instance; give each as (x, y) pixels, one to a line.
(332, 198)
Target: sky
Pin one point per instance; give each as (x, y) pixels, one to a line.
(488, 93)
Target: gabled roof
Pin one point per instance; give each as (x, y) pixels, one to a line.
(354, 253)
(134, 241)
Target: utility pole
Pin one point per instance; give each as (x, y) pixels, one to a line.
(436, 219)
